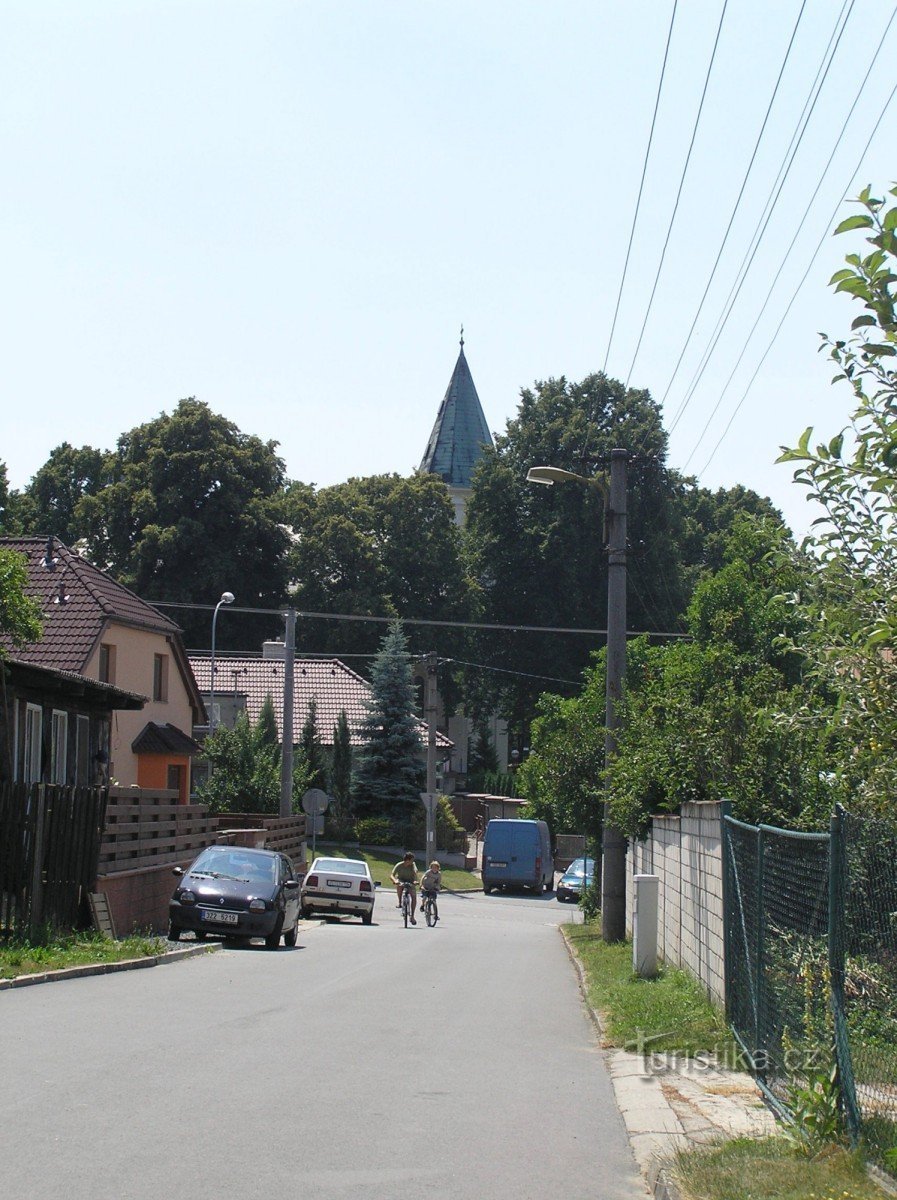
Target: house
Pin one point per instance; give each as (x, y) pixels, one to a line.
(97, 630)
(243, 683)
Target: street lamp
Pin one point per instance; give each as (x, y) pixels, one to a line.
(226, 598)
(613, 843)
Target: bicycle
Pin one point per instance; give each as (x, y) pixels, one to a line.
(407, 892)
(431, 911)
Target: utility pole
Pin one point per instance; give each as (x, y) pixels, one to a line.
(613, 853)
(286, 739)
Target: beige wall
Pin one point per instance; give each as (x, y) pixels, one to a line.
(685, 852)
(135, 651)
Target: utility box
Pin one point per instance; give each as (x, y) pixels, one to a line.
(644, 925)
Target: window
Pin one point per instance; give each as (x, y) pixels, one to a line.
(31, 750)
(59, 736)
(107, 663)
(160, 677)
(82, 752)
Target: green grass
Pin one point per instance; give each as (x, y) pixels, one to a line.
(669, 1014)
(381, 864)
(76, 950)
(770, 1169)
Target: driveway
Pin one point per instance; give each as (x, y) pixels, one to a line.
(453, 1062)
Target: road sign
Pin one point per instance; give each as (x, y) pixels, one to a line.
(430, 801)
(315, 802)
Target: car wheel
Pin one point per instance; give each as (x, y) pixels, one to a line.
(272, 941)
(289, 938)
(174, 933)
(367, 918)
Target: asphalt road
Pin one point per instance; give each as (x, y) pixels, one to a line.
(371, 1062)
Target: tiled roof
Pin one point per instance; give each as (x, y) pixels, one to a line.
(163, 739)
(460, 433)
(76, 600)
(328, 681)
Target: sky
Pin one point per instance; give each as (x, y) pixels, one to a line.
(288, 210)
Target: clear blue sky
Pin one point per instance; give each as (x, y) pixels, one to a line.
(288, 210)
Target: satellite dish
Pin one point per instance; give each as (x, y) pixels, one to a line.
(315, 802)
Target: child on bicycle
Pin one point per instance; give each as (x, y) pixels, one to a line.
(402, 873)
(431, 883)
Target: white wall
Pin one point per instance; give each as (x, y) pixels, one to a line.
(685, 852)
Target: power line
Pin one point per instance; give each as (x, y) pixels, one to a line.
(691, 144)
(641, 185)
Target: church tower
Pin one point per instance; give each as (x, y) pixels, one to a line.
(459, 435)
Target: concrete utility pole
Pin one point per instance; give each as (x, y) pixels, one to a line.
(286, 737)
(613, 855)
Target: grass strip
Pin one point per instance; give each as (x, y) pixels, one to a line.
(77, 950)
(771, 1169)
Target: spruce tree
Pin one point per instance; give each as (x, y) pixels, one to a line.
(315, 754)
(390, 775)
(342, 813)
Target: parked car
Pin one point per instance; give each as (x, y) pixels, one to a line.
(239, 893)
(339, 885)
(570, 883)
(517, 853)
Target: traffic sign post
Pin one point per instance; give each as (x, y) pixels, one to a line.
(314, 805)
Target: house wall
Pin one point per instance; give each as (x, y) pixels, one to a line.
(152, 772)
(685, 853)
(84, 766)
(135, 651)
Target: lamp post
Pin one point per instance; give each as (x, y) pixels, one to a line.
(226, 598)
(613, 843)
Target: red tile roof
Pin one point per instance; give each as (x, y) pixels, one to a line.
(330, 682)
(76, 601)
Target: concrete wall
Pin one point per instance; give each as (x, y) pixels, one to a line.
(685, 852)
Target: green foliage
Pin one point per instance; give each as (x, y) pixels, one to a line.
(341, 813)
(482, 761)
(51, 503)
(374, 831)
(388, 773)
(816, 1110)
(19, 615)
(315, 754)
(852, 610)
(245, 770)
(590, 900)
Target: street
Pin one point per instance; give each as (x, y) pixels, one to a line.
(454, 1062)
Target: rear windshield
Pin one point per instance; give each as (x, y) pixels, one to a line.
(347, 866)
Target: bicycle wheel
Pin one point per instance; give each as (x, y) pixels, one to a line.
(406, 907)
(430, 912)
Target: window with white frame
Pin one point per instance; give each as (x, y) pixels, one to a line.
(59, 737)
(31, 745)
(82, 751)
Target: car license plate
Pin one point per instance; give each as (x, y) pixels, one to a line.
(219, 918)
(338, 883)
(498, 864)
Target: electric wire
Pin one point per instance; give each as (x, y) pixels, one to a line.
(788, 253)
(666, 243)
(768, 210)
(806, 273)
(641, 186)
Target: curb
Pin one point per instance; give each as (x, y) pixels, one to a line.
(127, 964)
(660, 1184)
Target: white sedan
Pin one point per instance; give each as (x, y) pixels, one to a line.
(338, 885)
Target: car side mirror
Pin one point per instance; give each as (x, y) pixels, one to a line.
(376, 883)
(291, 885)
(177, 871)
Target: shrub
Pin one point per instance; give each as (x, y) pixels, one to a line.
(374, 831)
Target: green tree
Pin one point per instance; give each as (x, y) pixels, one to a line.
(245, 769)
(315, 754)
(342, 814)
(20, 621)
(482, 759)
(852, 609)
(52, 501)
(191, 511)
(268, 732)
(389, 775)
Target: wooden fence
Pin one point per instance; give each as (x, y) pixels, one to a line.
(49, 847)
(151, 829)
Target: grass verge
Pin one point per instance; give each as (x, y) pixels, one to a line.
(382, 863)
(770, 1169)
(76, 950)
(665, 1015)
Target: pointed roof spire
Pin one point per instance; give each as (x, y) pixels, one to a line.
(460, 432)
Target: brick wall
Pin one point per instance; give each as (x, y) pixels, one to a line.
(685, 852)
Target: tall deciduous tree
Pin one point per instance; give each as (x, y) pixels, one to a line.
(389, 772)
(20, 621)
(52, 501)
(245, 775)
(852, 630)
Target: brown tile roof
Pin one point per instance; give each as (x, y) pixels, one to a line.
(76, 601)
(330, 682)
(163, 739)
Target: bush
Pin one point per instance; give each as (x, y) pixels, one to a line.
(374, 831)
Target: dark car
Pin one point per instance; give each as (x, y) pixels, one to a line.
(570, 884)
(237, 893)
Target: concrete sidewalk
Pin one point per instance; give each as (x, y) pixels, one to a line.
(669, 1103)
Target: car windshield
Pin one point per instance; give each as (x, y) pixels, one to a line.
(346, 866)
(232, 862)
(576, 868)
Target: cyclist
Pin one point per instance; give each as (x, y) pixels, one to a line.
(402, 873)
(431, 883)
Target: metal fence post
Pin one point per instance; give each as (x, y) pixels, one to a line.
(836, 960)
(760, 989)
(725, 810)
